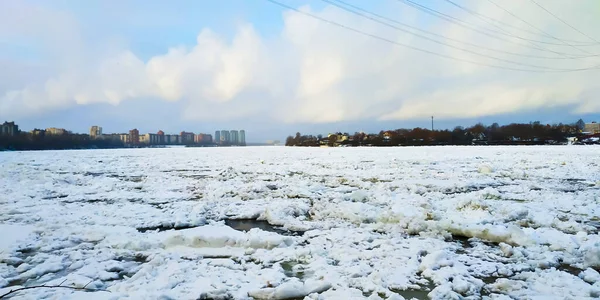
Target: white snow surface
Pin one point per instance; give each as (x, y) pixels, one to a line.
(329, 223)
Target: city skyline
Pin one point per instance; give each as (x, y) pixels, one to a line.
(134, 137)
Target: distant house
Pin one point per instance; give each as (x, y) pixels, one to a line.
(592, 128)
(55, 131)
(388, 135)
(38, 132)
(479, 137)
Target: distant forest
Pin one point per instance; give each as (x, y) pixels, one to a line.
(56, 142)
(534, 133)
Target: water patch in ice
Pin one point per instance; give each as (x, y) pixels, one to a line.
(134, 257)
(594, 225)
(177, 170)
(96, 200)
(569, 269)
(165, 227)
(16, 282)
(52, 197)
(462, 242)
(195, 176)
(246, 225)
(92, 174)
(468, 189)
(138, 178)
(418, 293)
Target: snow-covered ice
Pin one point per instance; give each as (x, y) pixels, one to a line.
(329, 223)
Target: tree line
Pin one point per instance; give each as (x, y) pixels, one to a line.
(534, 133)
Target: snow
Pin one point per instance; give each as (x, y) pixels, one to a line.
(348, 223)
(12, 235)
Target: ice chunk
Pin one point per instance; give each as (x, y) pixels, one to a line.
(436, 260)
(342, 293)
(592, 256)
(282, 212)
(506, 249)
(217, 236)
(494, 233)
(359, 196)
(590, 275)
(444, 292)
(293, 288)
(485, 169)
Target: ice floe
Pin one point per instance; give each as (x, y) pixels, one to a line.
(291, 223)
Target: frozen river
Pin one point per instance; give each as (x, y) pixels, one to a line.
(325, 223)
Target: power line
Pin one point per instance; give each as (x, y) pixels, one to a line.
(572, 27)
(540, 30)
(439, 35)
(483, 18)
(460, 22)
(467, 25)
(486, 18)
(438, 42)
(420, 49)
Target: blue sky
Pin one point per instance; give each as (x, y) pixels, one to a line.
(208, 65)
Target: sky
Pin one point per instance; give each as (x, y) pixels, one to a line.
(202, 66)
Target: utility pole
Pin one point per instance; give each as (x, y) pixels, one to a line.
(431, 123)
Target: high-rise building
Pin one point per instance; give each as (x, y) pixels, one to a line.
(124, 137)
(9, 128)
(161, 137)
(149, 139)
(187, 137)
(95, 132)
(242, 137)
(134, 136)
(144, 138)
(217, 136)
(234, 136)
(225, 137)
(172, 139)
(202, 138)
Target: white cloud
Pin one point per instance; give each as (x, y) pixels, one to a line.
(316, 72)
